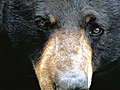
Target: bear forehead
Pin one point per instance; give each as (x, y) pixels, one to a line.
(71, 12)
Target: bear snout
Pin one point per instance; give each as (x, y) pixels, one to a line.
(66, 61)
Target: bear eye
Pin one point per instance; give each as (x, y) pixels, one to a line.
(43, 23)
(96, 31)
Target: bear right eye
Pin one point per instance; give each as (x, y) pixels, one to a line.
(43, 23)
(95, 29)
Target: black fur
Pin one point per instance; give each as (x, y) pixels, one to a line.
(26, 39)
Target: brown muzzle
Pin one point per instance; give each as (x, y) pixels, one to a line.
(66, 62)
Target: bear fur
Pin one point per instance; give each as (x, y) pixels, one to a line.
(22, 39)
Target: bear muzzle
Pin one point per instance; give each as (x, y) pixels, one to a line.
(66, 62)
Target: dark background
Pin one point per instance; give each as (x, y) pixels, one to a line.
(15, 73)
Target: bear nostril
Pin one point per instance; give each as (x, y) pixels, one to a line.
(54, 86)
(77, 88)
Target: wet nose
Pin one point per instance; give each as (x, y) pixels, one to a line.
(72, 83)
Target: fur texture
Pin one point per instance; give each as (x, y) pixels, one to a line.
(19, 22)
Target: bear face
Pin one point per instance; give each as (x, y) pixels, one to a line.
(67, 40)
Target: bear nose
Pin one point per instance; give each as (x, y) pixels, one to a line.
(72, 83)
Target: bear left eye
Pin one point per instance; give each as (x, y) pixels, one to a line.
(43, 23)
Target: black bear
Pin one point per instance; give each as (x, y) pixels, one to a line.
(72, 44)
